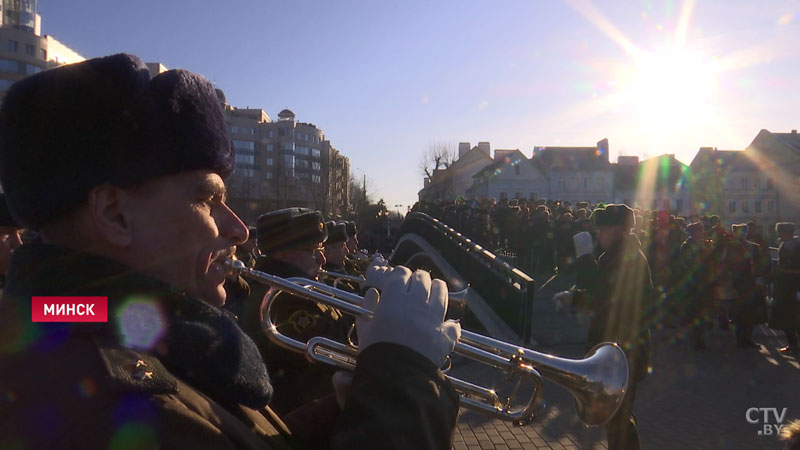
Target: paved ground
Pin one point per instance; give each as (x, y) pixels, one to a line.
(692, 400)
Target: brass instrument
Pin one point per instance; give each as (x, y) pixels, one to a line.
(335, 278)
(598, 382)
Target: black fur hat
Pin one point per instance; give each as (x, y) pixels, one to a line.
(337, 232)
(66, 130)
(613, 215)
(290, 228)
(784, 227)
(352, 230)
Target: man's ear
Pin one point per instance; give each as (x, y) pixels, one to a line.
(107, 208)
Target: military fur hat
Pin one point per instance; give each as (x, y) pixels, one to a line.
(337, 232)
(613, 215)
(67, 130)
(352, 230)
(739, 228)
(290, 228)
(784, 228)
(694, 227)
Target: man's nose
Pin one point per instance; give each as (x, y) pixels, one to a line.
(231, 226)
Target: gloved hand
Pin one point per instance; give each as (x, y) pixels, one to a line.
(378, 272)
(378, 260)
(410, 312)
(563, 300)
(583, 243)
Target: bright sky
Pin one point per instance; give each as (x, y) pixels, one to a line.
(386, 79)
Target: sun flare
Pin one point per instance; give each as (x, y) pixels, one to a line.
(672, 89)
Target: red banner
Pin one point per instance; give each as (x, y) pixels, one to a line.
(69, 309)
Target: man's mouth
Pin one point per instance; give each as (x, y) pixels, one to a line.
(217, 263)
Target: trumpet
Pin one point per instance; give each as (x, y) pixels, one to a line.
(598, 382)
(336, 278)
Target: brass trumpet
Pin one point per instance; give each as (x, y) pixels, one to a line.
(336, 278)
(598, 382)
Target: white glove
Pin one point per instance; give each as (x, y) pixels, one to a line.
(378, 272)
(583, 243)
(378, 260)
(410, 312)
(563, 300)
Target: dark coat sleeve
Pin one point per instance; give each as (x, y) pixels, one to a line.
(398, 400)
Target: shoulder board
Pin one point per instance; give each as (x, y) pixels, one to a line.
(130, 370)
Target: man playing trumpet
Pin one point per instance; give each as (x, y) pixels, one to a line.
(122, 175)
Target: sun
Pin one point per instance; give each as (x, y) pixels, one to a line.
(672, 89)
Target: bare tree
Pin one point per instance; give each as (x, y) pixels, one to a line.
(439, 155)
(362, 193)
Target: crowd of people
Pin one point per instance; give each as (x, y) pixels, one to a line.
(704, 274)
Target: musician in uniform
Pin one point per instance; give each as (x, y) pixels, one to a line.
(122, 175)
(336, 249)
(617, 292)
(786, 312)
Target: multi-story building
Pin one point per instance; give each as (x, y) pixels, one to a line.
(23, 49)
(511, 175)
(456, 179)
(282, 164)
(576, 173)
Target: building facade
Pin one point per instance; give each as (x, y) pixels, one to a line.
(283, 163)
(23, 49)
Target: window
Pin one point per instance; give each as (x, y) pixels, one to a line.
(269, 175)
(287, 146)
(245, 172)
(301, 163)
(732, 206)
(771, 206)
(30, 49)
(244, 145)
(299, 135)
(301, 150)
(315, 153)
(245, 158)
(9, 66)
(43, 54)
(270, 147)
(13, 46)
(516, 169)
(288, 162)
(270, 162)
(281, 132)
(316, 178)
(243, 130)
(744, 184)
(30, 69)
(271, 134)
(315, 166)
(745, 206)
(757, 206)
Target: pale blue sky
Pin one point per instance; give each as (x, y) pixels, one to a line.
(385, 79)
